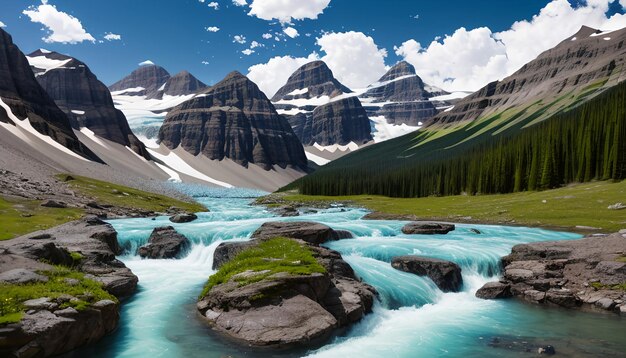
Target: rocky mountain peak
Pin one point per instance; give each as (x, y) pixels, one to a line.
(233, 119)
(85, 100)
(312, 80)
(149, 77)
(401, 69)
(21, 92)
(181, 84)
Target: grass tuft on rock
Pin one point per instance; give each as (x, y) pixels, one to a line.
(61, 281)
(273, 256)
(105, 193)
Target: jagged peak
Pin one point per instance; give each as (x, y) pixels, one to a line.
(400, 69)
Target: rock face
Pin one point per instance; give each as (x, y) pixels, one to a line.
(145, 81)
(409, 94)
(234, 120)
(47, 329)
(165, 243)
(575, 273)
(309, 232)
(27, 99)
(295, 311)
(445, 274)
(339, 122)
(181, 84)
(85, 100)
(579, 62)
(427, 228)
(312, 80)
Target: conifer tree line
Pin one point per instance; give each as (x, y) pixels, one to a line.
(582, 144)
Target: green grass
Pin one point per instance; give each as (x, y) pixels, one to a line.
(564, 208)
(12, 296)
(105, 193)
(274, 256)
(601, 286)
(21, 216)
(621, 259)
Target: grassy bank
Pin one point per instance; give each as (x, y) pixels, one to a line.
(564, 208)
(105, 193)
(21, 216)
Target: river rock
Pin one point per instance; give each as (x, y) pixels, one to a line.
(494, 290)
(296, 311)
(183, 218)
(286, 211)
(165, 243)
(311, 232)
(427, 228)
(445, 274)
(226, 251)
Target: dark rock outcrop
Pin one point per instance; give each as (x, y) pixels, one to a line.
(149, 77)
(27, 99)
(312, 80)
(310, 232)
(427, 228)
(226, 251)
(493, 290)
(233, 119)
(165, 243)
(296, 311)
(445, 274)
(571, 67)
(573, 273)
(183, 218)
(338, 122)
(85, 100)
(182, 83)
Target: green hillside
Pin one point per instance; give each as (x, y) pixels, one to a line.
(582, 142)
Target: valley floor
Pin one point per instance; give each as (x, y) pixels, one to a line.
(579, 207)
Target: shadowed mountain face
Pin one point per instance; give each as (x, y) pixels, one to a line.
(183, 83)
(85, 100)
(312, 80)
(566, 74)
(338, 122)
(233, 119)
(27, 99)
(149, 77)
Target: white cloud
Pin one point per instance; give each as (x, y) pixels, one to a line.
(112, 37)
(62, 27)
(247, 52)
(272, 75)
(2, 24)
(469, 59)
(212, 29)
(205, 62)
(291, 32)
(146, 63)
(240, 2)
(287, 10)
(255, 44)
(240, 39)
(269, 36)
(623, 3)
(214, 5)
(354, 58)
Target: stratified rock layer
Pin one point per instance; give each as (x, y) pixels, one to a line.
(312, 80)
(149, 77)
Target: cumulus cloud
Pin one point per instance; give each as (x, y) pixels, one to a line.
(248, 52)
(291, 32)
(255, 44)
(214, 5)
(2, 24)
(212, 29)
(271, 76)
(354, 57)
(146, 63)
(62, 27)
(269, 36)
(240, 2)
(469, 59)
(287, 10)
(240, 39)
(112, 37)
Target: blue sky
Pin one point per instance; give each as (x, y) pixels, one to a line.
(173, 33)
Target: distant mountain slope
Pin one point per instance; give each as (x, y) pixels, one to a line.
(85, 100)
(233, 119)
(32, 107)
(144, 81)
(559, 119)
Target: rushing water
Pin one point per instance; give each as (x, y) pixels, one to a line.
(413, 318)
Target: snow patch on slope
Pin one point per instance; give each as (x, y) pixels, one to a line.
(178, 164)
(46, 64)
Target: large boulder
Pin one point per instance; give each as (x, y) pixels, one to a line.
(295, 310)
(311, 232)
(445, 274)
(493, 290)
(183, 218)
(226, 251)
(427, 228)
(165, 243)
